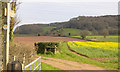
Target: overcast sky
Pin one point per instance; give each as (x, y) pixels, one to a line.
(69, 0)
(47, 11)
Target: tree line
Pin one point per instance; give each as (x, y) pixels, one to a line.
(93, 25)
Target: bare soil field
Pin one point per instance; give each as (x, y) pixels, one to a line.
(32, 40)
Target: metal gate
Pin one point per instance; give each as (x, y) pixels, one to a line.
(33, 66)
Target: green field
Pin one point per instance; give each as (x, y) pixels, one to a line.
(70, 30)
(47, 30)
(101, 38)
(68, 55)
(67, 32)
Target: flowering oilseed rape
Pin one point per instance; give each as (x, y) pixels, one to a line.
(103, 45)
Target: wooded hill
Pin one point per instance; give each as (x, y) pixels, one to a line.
(94, 26)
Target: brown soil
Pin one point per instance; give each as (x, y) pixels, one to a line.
(104, 59)
(69, 65)
(93, 39)
(32, 40)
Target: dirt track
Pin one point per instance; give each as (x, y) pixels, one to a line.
(69, 65)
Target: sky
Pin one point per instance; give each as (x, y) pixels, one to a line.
(70, 0)
(48, 11)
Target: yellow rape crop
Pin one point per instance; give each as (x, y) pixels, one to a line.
(103, 45)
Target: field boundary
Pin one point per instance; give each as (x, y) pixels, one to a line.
(75, 52)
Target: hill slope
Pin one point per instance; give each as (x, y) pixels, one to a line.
(94, 25)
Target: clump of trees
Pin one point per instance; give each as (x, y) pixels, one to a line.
(104, 33)
(39, 34)
(84, 33)
(69, 34)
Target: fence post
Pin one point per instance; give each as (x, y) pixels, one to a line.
(23, 58)
(23, 64)
(6, 17)
(5, 37)
(55, 50)
(1, 35)
(14, 58)
(40, 63)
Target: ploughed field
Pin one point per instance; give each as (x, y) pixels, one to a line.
(33, 39)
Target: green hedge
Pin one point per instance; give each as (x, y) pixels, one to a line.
(42, 45)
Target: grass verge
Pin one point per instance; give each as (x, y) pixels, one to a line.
(45, 66)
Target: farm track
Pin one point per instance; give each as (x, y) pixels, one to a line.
(69, 65)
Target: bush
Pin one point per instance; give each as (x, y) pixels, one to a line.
(83, 36)
(38, 34)
(42, 45)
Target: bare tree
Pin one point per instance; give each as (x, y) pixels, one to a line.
(84, 33)
(104, 32)
(14, 20)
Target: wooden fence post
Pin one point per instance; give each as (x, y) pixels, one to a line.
(23, 58)
(6, 17)
(4, 38)
(1, 35)
(6, 35)
(55, 49)
(14, 58)
(23, 64)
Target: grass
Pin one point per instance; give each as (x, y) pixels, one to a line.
(46, 29)
(101, 38)
(92, 52)
(67, 55)
(66, 31)
(48, 68)
(45, 66)
(70, 30)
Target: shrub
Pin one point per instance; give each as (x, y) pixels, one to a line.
(41, 46)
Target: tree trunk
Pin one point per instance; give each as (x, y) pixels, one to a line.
(12, 21)
(11, 29)
(11, 35)
(104, 36)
